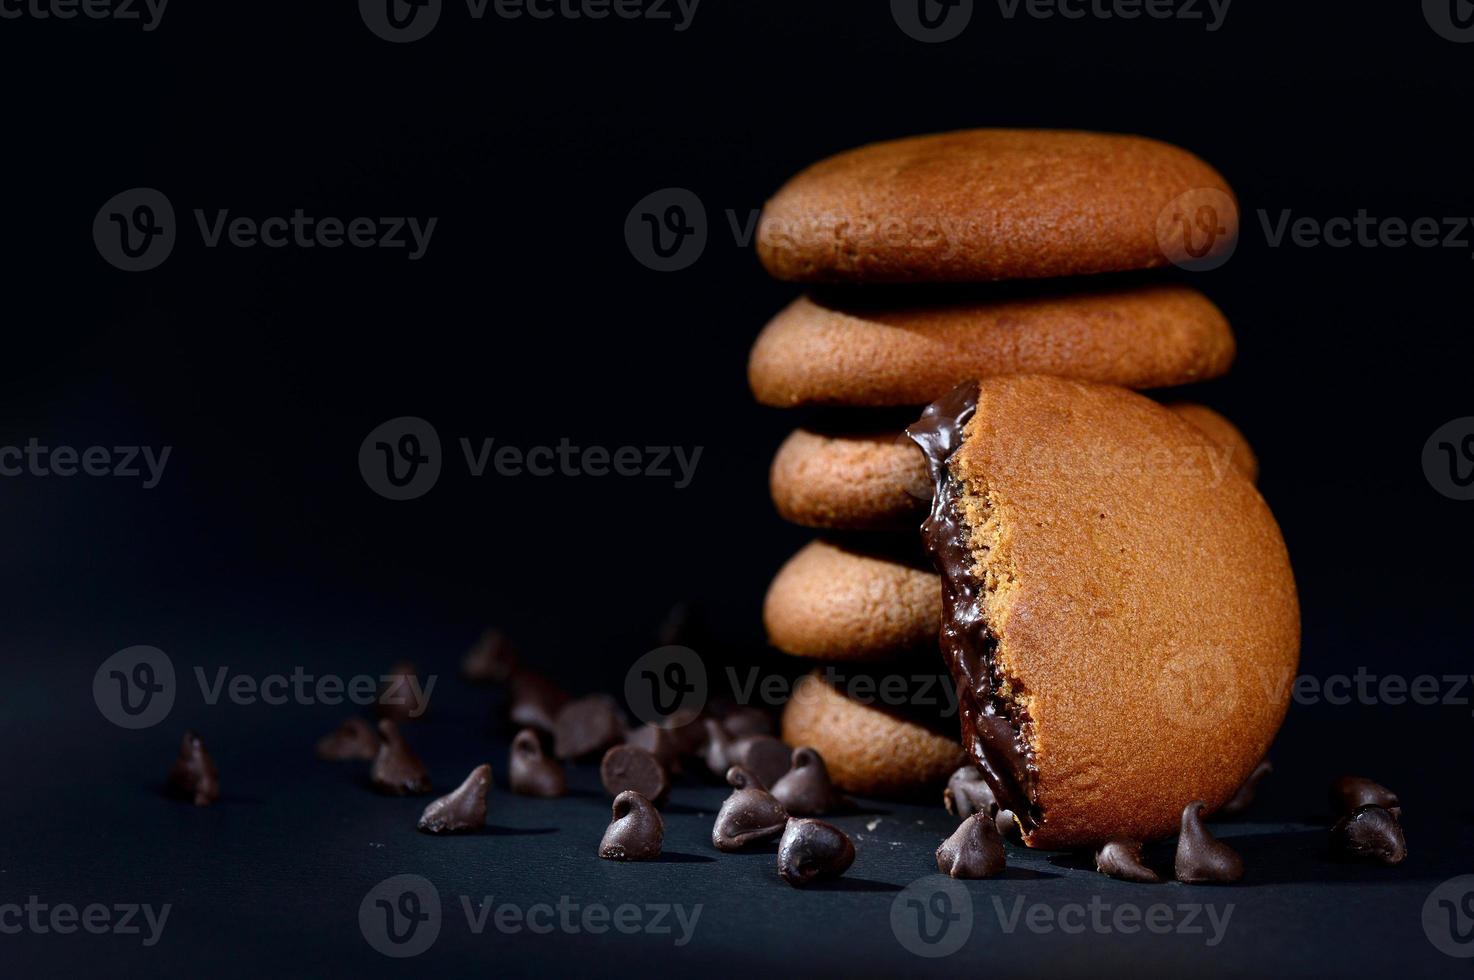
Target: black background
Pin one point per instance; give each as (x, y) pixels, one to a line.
(528, 320)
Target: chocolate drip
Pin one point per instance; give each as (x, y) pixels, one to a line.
(992, 726)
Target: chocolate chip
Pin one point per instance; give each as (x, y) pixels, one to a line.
(493, 660)
(1349, 793)
(629, 767)
(812, 850)
(193, 776)
(1201, 857)
(805, 790)
(745, 720)
(764, 755)
(535, 701)
(587, 726)
(659, 742)
(1244, 798)
(1121, 858)
(718, 748)
(401, 696)
(968, 792)
(1369, 833)
(975, 849)
(636, 831)
(354, 739)
(689, 739)
(749, 815)
(531, 772)
(461, 810)
(397, 770)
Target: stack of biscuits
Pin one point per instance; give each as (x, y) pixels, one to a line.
(930, 262)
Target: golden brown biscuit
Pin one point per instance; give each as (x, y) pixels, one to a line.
(1119, 614)
(828, 351)
(877, 480)
(836, 602)
(869, 749)
(988, 204)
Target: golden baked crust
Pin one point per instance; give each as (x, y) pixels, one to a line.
(878, 480)
(837, 603)
(821, 351)
(869, 751)
(1142, 600)
(982, 205)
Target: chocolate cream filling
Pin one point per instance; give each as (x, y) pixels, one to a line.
(992, 724)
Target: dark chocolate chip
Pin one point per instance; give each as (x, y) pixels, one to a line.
(493, 660)
(1121, 858)
(749, 815)
(586, 727)
(193, 776)
(629, 767)
(397, 770)
(636, 831)
(461, 810)
(530, 771)
(1201, 857)
(1244, 798)
(745, 720)
(401, 696)
(968, 792)
(1349, 793)
(764, 755)
(975, 849)
(354, 739)
(1369, 833)
(535, 701)
(805, 790)
(812, 850)
(660, 743)
(718, 747)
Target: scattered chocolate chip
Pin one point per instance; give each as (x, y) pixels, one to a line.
(749, 815)
(397, 770)
(1369, 833)
(811, 850)
(1349, 793)
(975, 849)
(1201, 857)
(968, 792)
(1121, 858)
(805, 790)
(659, 742)
(193, 776)
(401, 697)
(354, 739)
(689, 739)
(718, 747)
(493, 660)
(745, 720)
(636, 831)
(535, 701)
(587, 726)
(628, 767)
(461, 810)
(1244, 798)
(764, 755)
(531, 772)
